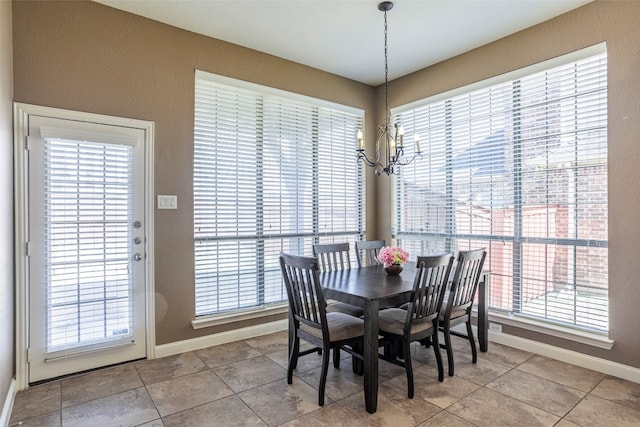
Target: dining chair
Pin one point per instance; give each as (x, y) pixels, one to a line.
(332, 256)
(400, 327)
(367, 252)
(459, 301)
(310, 321)
(335, 257)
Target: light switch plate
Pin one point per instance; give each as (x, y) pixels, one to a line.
(167, 202)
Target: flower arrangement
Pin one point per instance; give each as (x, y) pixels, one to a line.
(390, 255)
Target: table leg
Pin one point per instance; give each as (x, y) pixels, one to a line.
(370, 355)
(483, 314)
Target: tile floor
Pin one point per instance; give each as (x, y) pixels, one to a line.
(244, 384)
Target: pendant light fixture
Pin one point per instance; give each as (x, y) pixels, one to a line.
(390, 143)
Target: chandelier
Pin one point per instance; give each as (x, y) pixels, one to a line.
(390, 143)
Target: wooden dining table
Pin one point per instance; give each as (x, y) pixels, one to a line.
(372, 288)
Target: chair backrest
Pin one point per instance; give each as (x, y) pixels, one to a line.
(429, 286)
(306, 301)
(367, 252)
(465, 280)
(332, 257)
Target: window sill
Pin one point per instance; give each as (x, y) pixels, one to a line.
(583, 337)
(208, 321)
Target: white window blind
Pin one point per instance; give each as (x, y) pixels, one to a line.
(520, 168)
(87, 217)
(273, 172)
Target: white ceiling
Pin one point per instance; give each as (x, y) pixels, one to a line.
(346, 37)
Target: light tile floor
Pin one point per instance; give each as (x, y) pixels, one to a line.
(244, 384)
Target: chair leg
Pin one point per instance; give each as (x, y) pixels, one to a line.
(425, 342)
(323, 376)
(293, 359)
(399, 350)
(356, 364)
(388, 350)
(447, 343)
(359, 361)
(474, 353)
(436, 350)
(336, 357)
(407, 366)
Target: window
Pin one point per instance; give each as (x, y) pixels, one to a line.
(88, 188)
(273, 172)
(518, 167)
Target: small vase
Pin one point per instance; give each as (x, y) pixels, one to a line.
(393, 269)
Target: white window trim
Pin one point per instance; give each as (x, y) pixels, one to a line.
(239, 316)
(570, 334)
(262, 89)
(21, 113)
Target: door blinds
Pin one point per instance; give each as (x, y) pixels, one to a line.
(272, 173)
(521, 169)
(87, 218)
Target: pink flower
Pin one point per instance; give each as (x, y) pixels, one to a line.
(393, 255)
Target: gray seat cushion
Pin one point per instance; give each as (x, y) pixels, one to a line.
(455, 313)
(392, 320)
(341, 327)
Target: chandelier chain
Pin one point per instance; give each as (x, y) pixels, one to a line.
(393, 145)
(386, 73)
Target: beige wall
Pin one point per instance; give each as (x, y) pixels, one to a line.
(85, 56)
(88, 57)
(6, 201)
(616, 23)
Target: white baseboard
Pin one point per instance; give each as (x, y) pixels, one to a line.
(608, 367)
(220, 338)
(8, 404)
(568, 356)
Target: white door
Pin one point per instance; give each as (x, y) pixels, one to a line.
(86, 246)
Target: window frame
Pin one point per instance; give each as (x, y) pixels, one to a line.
(315, 234)
(561, 328)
